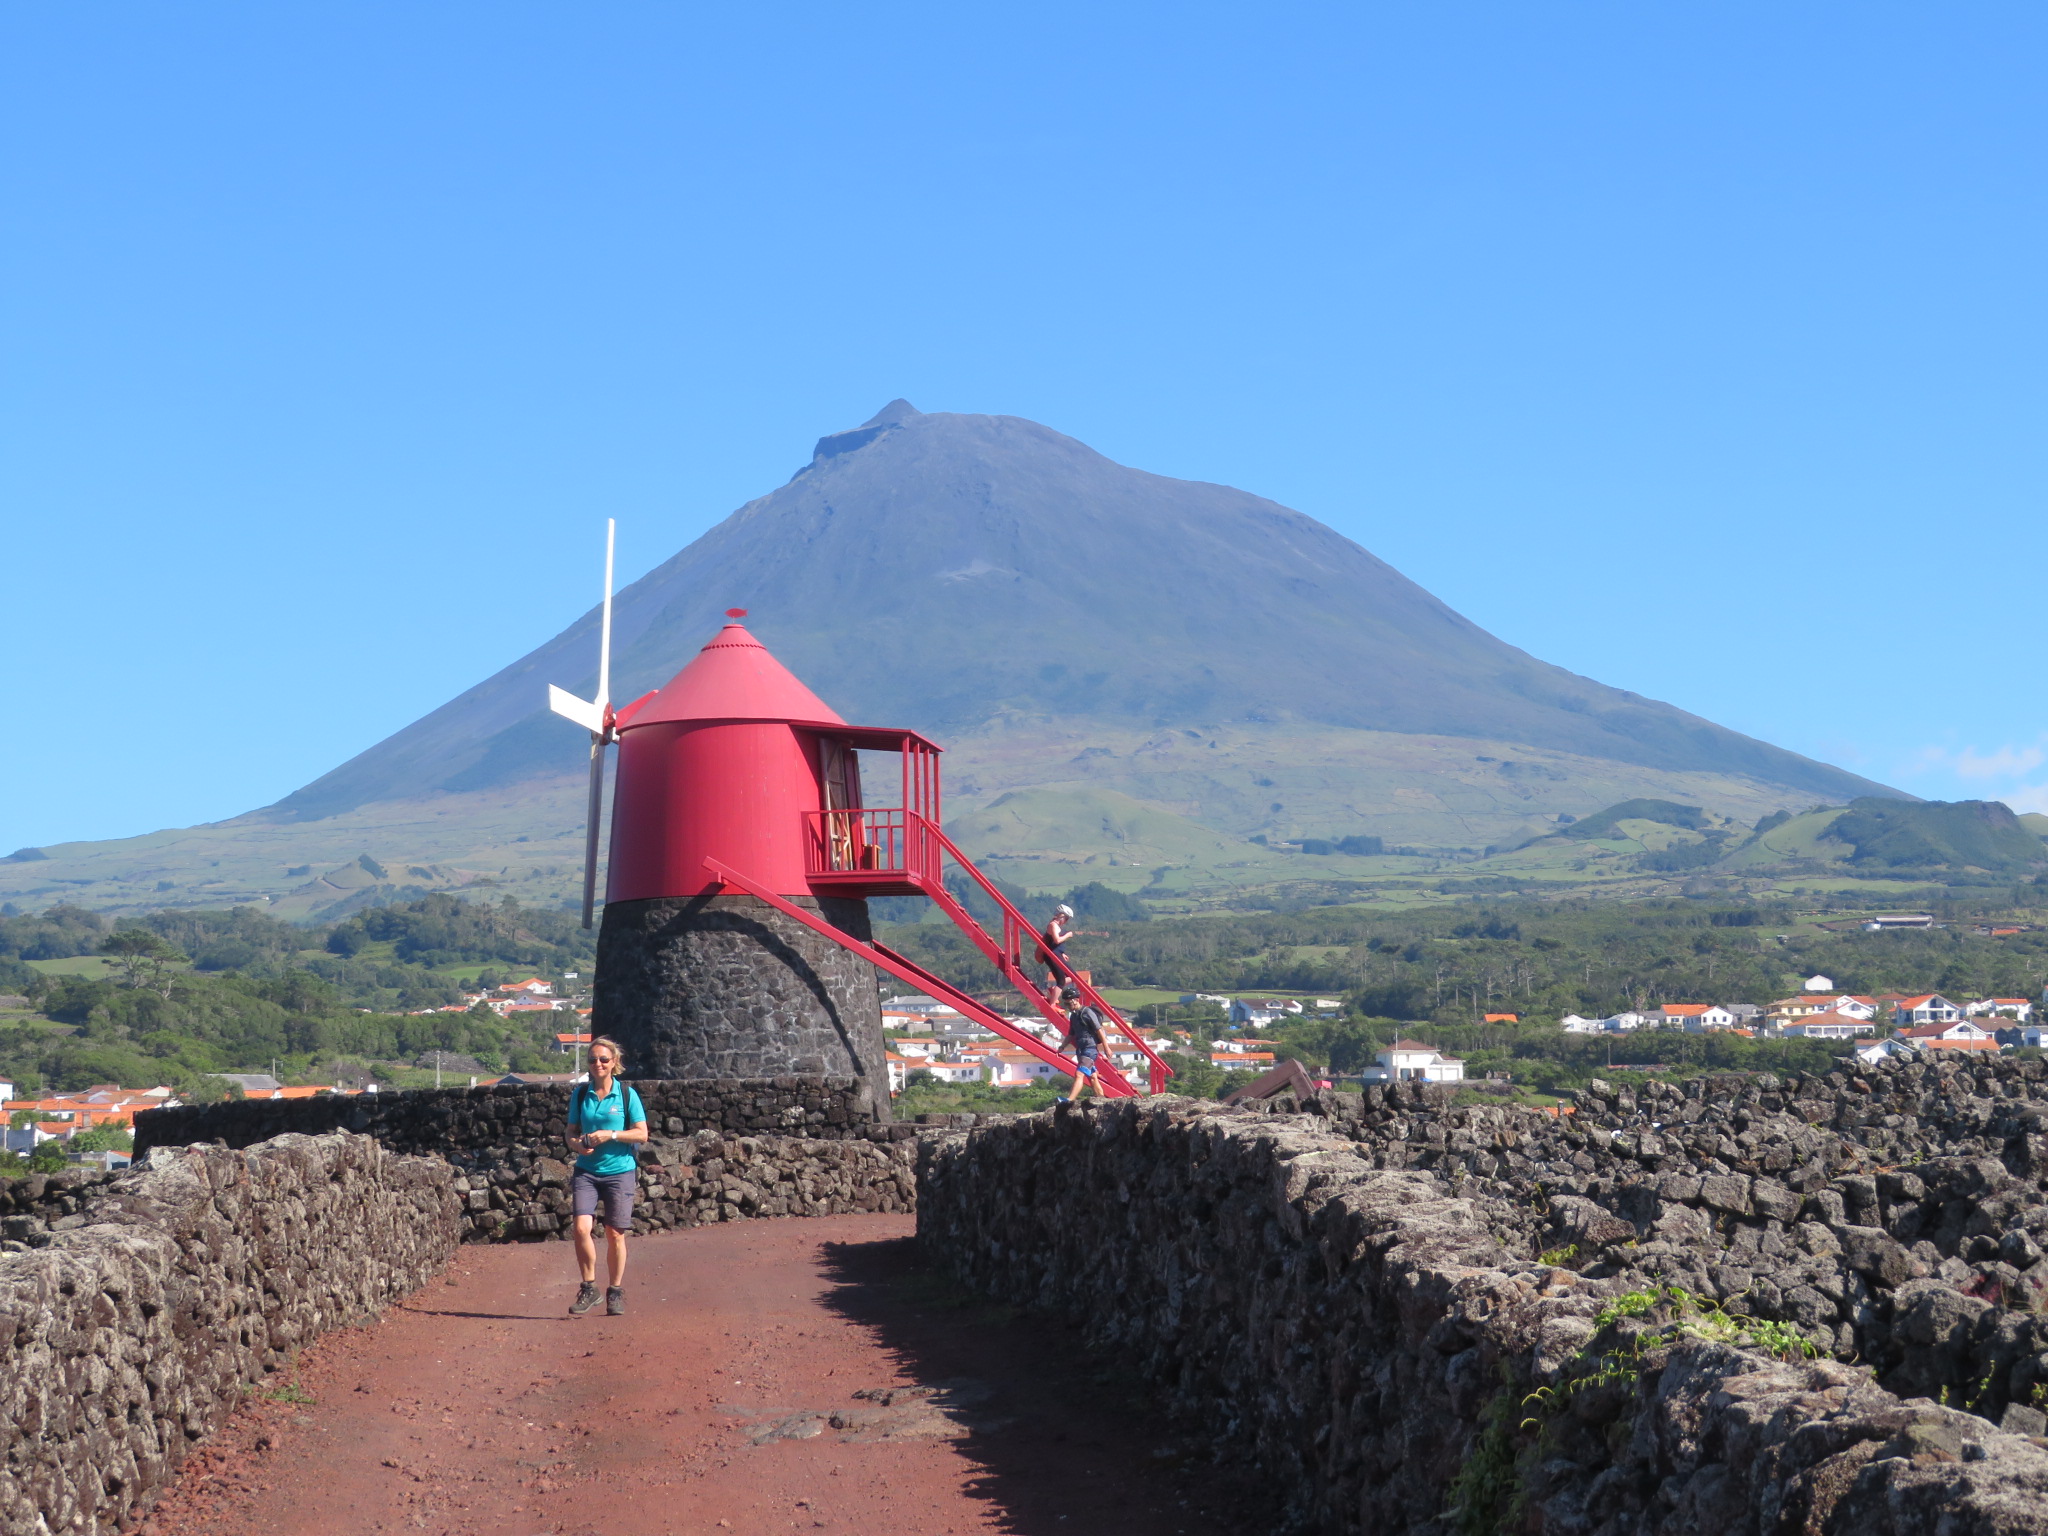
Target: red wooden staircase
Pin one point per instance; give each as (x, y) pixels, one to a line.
(886, 852)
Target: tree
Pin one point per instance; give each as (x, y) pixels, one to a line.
(104, 1138)
(138, 950)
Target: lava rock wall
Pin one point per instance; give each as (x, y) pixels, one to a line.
(1392, 1349)
(521, 1192)
(441, 1121)
(716, 1151)
(131, 1330)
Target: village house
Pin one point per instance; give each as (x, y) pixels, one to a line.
(1242, 1061)
(2017, 1009)
(1011, 1068)
(569, 1044)
(1950, 1035)
(1927, 1008)
(1829, 1026)
(1500, 1018)
(1260, 1011)
(533, 986)
(1412, 1061)
(1873, 1052)
(1696, 1018)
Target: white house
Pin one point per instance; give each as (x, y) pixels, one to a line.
(1259, 1011)
(6, 1090)
(1829, 1026)
(1242, 1061)
(1927, 1008)
(1572, 1024)
(1412, 1061)
(2017, 1009)
(951, 1071)
(1818, 984)
(1623, 1023)
(1949, 1035)
(1696, 1017)
(1890, 1049)
(1017, 1069)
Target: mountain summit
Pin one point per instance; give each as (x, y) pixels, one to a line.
(946, 571)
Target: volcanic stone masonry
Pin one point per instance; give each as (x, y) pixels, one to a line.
(130, 1329)
(716, 1151)
(1724, 1309)
(727, 987)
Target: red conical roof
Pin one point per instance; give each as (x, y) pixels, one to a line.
(734, 678)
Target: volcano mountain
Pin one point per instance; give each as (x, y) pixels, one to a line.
(1103, 647)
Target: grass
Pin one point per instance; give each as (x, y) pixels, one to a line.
(93, 967)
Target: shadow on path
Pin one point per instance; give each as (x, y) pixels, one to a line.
(1071, 1442)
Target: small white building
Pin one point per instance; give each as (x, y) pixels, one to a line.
(1927, 1008)
(2018, 1009)
(1260, 1011)
(1695, 1017)
(1412, 1061)
(1829, 1026)
(1572, 1024)
(1242, 1061)
(1818, 984)
(1873, 1052)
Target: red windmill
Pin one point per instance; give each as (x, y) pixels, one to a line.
(740, 841)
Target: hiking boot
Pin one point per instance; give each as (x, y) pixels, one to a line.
(586, 1298)
(614, 1301)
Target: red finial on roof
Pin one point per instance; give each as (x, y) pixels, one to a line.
(735, 613)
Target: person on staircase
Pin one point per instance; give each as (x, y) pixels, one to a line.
(1084, 1039)
(606, 1124)
(1052, 947)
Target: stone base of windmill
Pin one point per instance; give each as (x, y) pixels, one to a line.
(697, 987)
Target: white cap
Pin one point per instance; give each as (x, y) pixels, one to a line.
(1065, 910)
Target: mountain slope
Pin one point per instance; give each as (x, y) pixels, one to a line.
(941, 571)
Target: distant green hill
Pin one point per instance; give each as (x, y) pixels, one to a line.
(2035, 823)
(1665, 812)
(1969, 834)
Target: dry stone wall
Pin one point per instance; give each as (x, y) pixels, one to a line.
(129, 1330)
(521, 1191)
(718, 1151)
(1377, 1304)
(435, 1121)
(1896, 1217)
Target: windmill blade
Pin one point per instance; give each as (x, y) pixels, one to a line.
(590, 826)
(586, 714)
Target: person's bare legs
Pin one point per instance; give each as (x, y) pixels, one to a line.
(586, 1251)
(614, 1256)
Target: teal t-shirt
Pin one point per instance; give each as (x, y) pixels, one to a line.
(619, 1110)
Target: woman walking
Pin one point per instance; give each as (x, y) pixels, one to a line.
(606, 1123)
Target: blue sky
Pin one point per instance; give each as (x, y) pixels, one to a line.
(1695, 348)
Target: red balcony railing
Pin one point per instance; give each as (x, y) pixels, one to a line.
(881, 852)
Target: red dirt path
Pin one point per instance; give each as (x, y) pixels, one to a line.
(478, 1408)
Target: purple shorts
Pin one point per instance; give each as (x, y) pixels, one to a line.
(616, 1191)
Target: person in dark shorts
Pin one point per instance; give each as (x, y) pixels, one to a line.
(1084, 1037)
(606, 1123)
(1052, 945)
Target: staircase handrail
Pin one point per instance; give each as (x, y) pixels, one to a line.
(1009, 963)
(1112, 1082)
